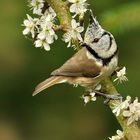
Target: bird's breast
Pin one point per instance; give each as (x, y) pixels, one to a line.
(111, 66)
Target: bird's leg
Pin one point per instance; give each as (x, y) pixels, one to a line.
(104, 95)
(108, 97)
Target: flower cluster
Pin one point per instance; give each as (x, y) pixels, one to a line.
(92, 96)
(73, 33)
(123, 105)
(89, 97)
(36, 6)
(41, 28)
(129, 110)
(31, 26)
(121, 75)
(46, 35)
(133, 112)
(119, 136)
(79, 7)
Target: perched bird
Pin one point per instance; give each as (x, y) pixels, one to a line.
(96, 60)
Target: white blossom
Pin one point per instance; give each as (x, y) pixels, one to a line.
(50, 12)
(86, 99)
(30, 26)
(45, 33)
(73, 33)
(36, 6)
(79, 7)
(121, 75)
(45, 38)
(43, 41)
(46, 28)
(89, 97)
(122, 105)
(93, 98)
(46, 22)
(133, 113)
(119, 136)
(49, 15)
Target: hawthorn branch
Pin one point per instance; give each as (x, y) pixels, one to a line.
(131, 132)
(62, 10)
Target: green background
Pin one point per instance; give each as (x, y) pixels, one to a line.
(60, 114)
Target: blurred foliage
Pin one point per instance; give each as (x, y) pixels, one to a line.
(123, 18)
(60, 114)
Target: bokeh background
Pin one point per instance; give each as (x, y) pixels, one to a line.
(60, 114)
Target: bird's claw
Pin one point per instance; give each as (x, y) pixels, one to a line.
(109, 97)
(112, 97)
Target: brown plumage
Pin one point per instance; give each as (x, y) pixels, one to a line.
(79, 66)
(77, 70)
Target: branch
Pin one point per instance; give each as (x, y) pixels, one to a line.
(62, 12)
(131, 132)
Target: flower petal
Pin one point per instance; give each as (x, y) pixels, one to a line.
(26, 31)
(73, 8)
(46, 46)
(79, 37)
(80, 29)
(73, 23)
(26, 22)
(41, 35)
(38, 43)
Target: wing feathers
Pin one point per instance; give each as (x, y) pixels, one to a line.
(79, 65)
(49, 82)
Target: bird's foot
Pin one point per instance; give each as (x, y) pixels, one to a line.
(108, 97)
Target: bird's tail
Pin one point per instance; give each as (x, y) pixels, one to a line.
(49, 82)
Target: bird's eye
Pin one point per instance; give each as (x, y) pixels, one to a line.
(96, 40)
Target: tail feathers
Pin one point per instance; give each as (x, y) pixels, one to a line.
(49, 82)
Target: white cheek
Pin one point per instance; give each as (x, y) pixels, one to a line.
(108, 53)
(90, 56)
(113, 64)
(103, 44)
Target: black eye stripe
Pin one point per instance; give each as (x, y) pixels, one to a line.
(105, 33)
(106, 60)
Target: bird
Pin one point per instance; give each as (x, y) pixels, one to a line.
(96, 60)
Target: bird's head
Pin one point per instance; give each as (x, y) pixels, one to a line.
(96, 36)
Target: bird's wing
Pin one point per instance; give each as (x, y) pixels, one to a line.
(79, 66)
